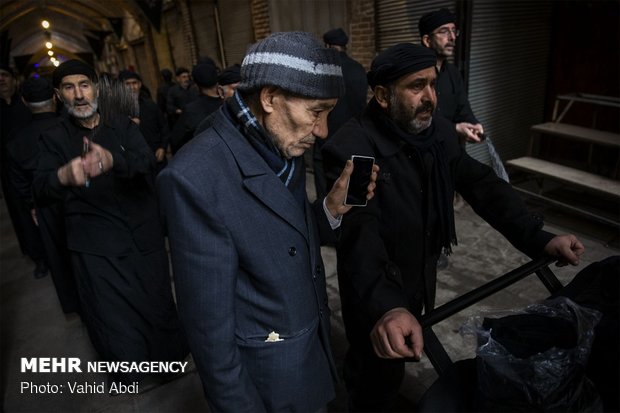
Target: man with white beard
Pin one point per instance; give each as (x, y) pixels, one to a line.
(102, 173)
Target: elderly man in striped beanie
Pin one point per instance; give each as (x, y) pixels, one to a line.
(245, 241)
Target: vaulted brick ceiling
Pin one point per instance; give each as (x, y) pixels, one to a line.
(72, 21)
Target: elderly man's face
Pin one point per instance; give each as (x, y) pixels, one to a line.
(411, 100)
(443, 40)
(296, 122)
(79, 95)
(134, 85)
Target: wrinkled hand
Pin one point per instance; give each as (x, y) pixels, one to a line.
(160, 154)
(338, 194)
(80, 169)
(565, 247)
(388, 335)
(469, 131)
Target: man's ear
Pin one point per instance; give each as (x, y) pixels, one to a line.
(382, 96)
(267, 97)
(426, 40)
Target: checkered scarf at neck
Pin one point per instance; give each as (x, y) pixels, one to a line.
(290, 171)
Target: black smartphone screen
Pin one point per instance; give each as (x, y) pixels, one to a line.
(360, 178)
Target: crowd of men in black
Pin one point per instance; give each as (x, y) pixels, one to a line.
(83, 202)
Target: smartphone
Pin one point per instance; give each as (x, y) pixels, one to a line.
(357, 188)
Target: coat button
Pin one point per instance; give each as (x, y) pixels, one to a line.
(318, 269)
(292, 251)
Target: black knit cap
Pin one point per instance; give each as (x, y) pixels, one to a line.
(431, 21)
(296, 62)
(205, 74)
(399, 60)
(128, 74)
(73, 67)
(37, 90)
(230, 75)
(336, 36)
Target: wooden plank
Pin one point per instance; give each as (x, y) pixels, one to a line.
(568, 175)
(578, 133)
(612, 101)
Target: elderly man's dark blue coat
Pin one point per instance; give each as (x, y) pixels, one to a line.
(246, 260)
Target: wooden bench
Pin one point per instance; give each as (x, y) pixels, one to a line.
(576, 133)
(591, 99)
(572, 176)
(610, 188)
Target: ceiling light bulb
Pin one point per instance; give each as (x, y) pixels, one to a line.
(45, 24)
(49, 45)
(56, 63)
(50, 53)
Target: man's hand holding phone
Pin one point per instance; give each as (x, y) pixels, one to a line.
(336, 200)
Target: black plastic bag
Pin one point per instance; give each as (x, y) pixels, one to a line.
(535, 359)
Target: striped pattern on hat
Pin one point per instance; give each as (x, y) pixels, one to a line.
(295, 62)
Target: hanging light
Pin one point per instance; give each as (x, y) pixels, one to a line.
(49, 45)
(56, 63)
(50, 53)
(45, 24)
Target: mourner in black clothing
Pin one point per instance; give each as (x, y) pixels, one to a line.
(438, 31)
(49, 232)
(205, 76)
(349, 105)
(162, 92)
(103, 175)
(227, 81)
(13, 113)
(151, 121)
(388, 250)
(180, 95)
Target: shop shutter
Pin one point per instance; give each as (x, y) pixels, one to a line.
(236, 26)
(397, 20)
(508, 65)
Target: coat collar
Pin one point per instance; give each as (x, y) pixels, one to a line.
(258, 178)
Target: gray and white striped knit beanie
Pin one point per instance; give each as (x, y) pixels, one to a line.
(295, 62)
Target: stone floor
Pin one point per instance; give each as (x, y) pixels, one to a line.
(32, 324)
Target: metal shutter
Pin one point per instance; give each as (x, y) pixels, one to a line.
(237, 31)
(397, 20)
(508, 64)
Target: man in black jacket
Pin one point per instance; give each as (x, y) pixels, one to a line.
(438, 32)
(13, 113)
(209, 100)
(388, 250)
(103, 175)
(179, 95)
(152, 124)
(49, 232)
(349, 105)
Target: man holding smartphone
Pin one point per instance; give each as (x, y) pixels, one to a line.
(388, 250)
(244, 239)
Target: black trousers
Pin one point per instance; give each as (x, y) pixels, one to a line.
(372, 382)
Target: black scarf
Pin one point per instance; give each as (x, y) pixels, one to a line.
(290, 171)
(443, 192)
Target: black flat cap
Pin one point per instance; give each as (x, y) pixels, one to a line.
(336, 36)
(37, 90)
